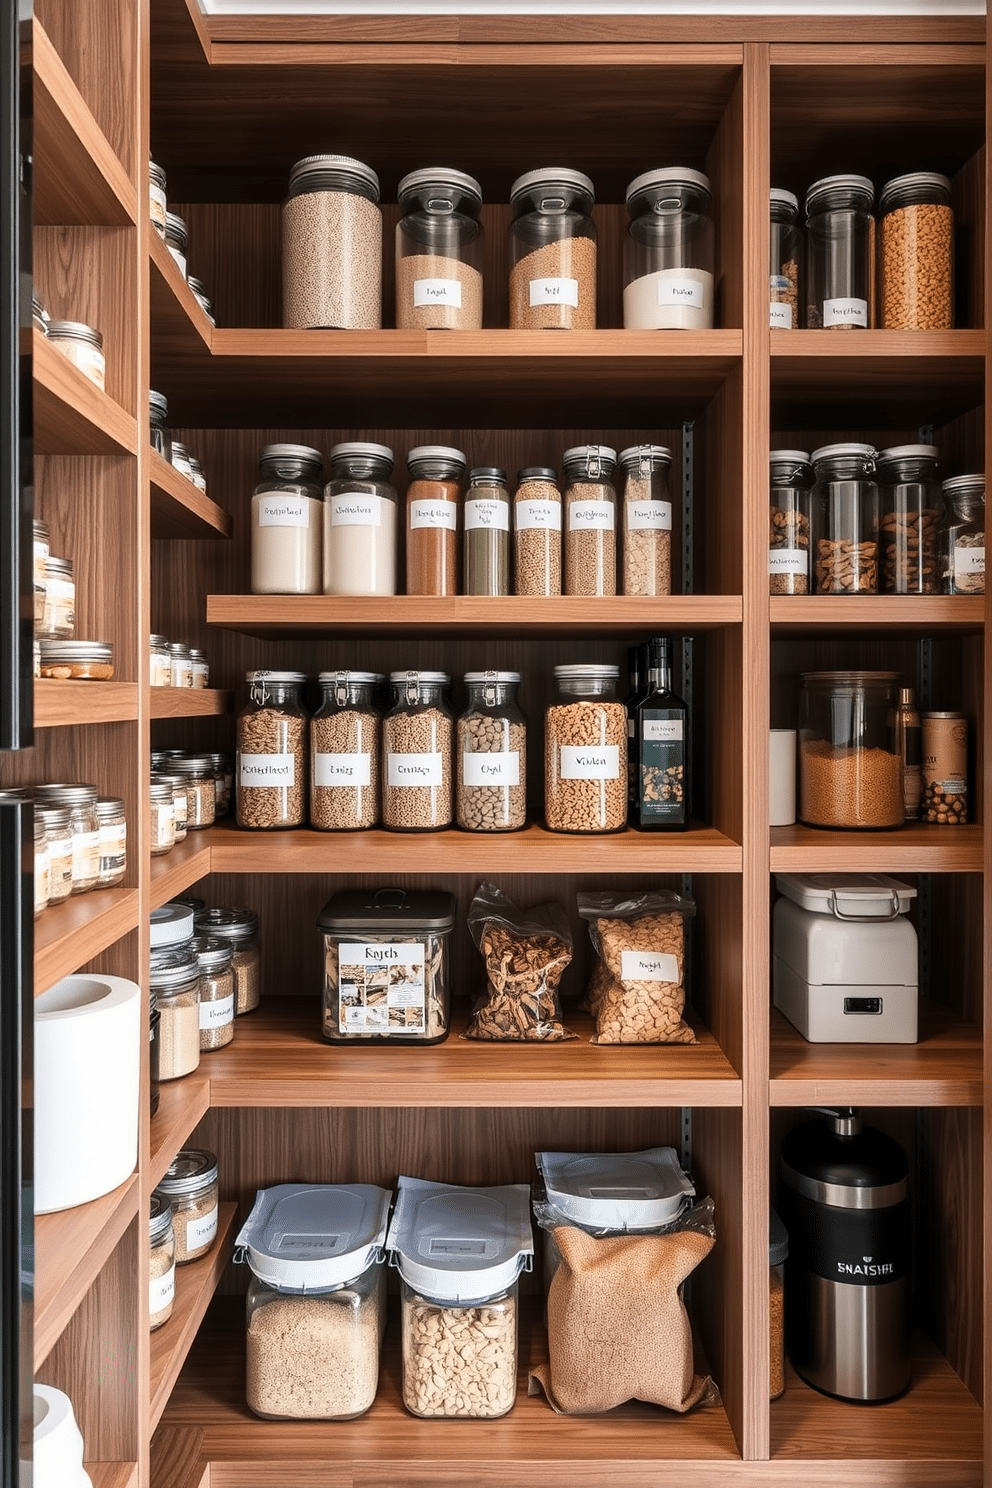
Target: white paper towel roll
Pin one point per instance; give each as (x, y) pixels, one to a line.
(782, 777)
(58, 1444)
(87, 1060)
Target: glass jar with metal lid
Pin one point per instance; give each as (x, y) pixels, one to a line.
(585, 752)
(417, 754)
(158, 434)
(80, 802)
(344, 752)
(439, 246)
(158, 203)
(239, 927)
(81, 660)
(202, 298)
(668, 251)
(646, 507)
(332, 246)
(789, 510)
(83, 345)
(492, 755)
(916, 254)
(162, 837)
(590, 520)
(181, 459)
(850, 766)
(196, 474)
(271, 757)
(839, 252)
(553, 252)
(40, 865)
(112, 827)
(785, 244)
(180, 799)
(845, 520)
(59, 616)
(911, 508)
(224, 780)
(177, 240)
(181, 664)
(214, 957)
(58, 837)
(40, 549)
(287, 526)
(360, 521)
(159, 661)
(436, 473)
(154, 1046)
(201, 667)
(162, 1268)
(174, 977)
(537, 532)
(197, 773)
(961, 539)
(486, 564)
(190, 1186)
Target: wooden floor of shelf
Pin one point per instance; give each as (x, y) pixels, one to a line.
(64, 704)
(802, 613)
(182, 1103)
(179, 868)
(195, 1287)
(72, 416)
(878, 369)
(189, 702)
(71, 1248)
(68, 935)
(914, 848)
(181, 509)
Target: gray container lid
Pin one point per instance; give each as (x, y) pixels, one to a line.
(916, 186)
(387, 910)
(571, 188)
(306, 1237)
(333, 173)
(360, 449)
(439, 189)
(788, 456)
(423, 454)
(537, 473)
(909, 452)
(778, 1239)
(171, 924)
(159, 1219)
(657, 456)
(778, 196)
(289, 456)
(655, 183)
(235, 923)
(190, 1171)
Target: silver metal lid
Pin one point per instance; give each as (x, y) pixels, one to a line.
(349, 679)
(960, 485)
(15, 793)
(190, 1171)
(906, 190)
(488, 473)
(109, 806)
(288, 455)
(423, 455)
(211, 952)
(101, 651)
(173, 968)
(440, 190)
(843, 451)
(667, 182)
(156, 173)
(160, 790)
(333, 173)
(657, 456)
(360, 450)
(75, 330)
(850, 191)
(67, 794)
(40, 530)
(197, 654)
(789, 456)
(159, 1219)
(590, 670)
(178, 648)
(431, 678)
(55, 816)
(158, 641)
(908, 452)
(482, 677)
(58, 566)
(779, 197)
(591, 456)
(293, 678)
(158, 404)
(175, 227)
(553, 189)
(198, 765)
(235, 924)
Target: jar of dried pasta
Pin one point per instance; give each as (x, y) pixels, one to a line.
(162, 1268)
(112, 820)
(197, 773)
(590, 520)
(585, 752)
(80, 802)
(214, 957)
(344, 752)
(190, 1187)
(239, 927)
(646, 507)
(537, 532)
(271, 754)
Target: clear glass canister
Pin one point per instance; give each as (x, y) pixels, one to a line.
(59, 617)
(177, 240)
(197, 773)
(585, 752)
(911, 508)
(961, 540)
(83, 346)
(590, 520)
(62, 660)
(436, 473)
(344, 752)
(157, 197)
(553, 252)
(492, 755)
(646, 507)
(360, 521)
(789, 507)
(162, 1272)
(80, 802)
(459, 1358)
(487, 532)
(839, 252)
(845, 520)
(191, 1189)
(537, 532)
(162, 838)
(223, 781)
(174, 977)
(180, 799)
(287, 528)
(158, 434)
(159, 661)
(154, 1045)
(58, 837)
(850, 767)
(181, 459)
(668, 252)
(785, 244)
(239, 927)
(439, 248)
(40, 866)
(40, 549)
(332, 246)
(417, 754)
(271, 758)
(110, 815)
(216, 991)
(201, 667)
(916, 255)
(181, 664)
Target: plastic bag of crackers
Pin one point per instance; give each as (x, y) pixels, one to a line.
(525, 955)
(637, 988)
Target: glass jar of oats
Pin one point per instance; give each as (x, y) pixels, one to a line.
(271, 752)
(332, 246)
(214, 957)
(344, 752)
(553, 251)
(439, 243)
(174, 977)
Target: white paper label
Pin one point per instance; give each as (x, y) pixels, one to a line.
(85, 855)
(485, 511)
(382, 988)
(663, 730)
(60, 589)
(969, 560)
(849, 311)
(681, 292)
(162, 1291)
(585, 515)
(60, 863)
(491, 769)
(648, 966)
(267, 769)
(161, 672)
(283, 511)
(182, 671)
(656, 515)
(342, 769)
(780, 315)
(544, 514)
(554, 291)
(590, 762)
(113, 847)
(414, 769)
(215, 1014)
(437, 292)
(356, 509)
(434, 514)
(788, 560)
(201, 1231)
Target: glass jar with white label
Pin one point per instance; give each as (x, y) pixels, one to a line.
(159, 661)
(162, 1268)
(287, 527)
(439, 245)
(433, 495)
(112, 826)
(190, 1187)
(214, 957)
(271, 766)
(180, 799)
(845, 520)
(537, 532)
(962, 535)
(785, 245)
(344, 753)
(162, 821)
(418, 754)
(158, 202)
(646, 507)
(668, 252)
(553, 252)
(491, 794)
(58, 836)
(238, 926)
(360, 521)
(80, 802)
(590, 520)
(59, 614)
(585, 752)
(180, 664)
(839, 253)
(198, 775)
(83, 346)
(487, 532)
(789, 509)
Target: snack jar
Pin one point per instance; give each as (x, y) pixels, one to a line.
(190, 1188)
(159, 661)
(316, 1304)
(180, 664)
(239, 927)
(789, 510)
(344, 752)
(180, 800)
(287, 521)
(417, 754)
(58, 621)
(332, 246)
(785, 245)
(436, 473)
(590, 520)
(492, 755)
(839, 253)
(646, 507)
(845, 520)
(439, 247)
(537, 532)
(360, 521)
(197, 773)
(271, 753)
(92, 660)
(961, 539)
(850, 770)
(162, 1269)
(585, 752)
(668, 252)
(911, 509)
(916, 255)
(553, 251)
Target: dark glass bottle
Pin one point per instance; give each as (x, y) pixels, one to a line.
(662, 794)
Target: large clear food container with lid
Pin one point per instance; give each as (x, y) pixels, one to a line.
(850, 767)
(785, 244)
(668, 251)
(344, 752)
(332, 246)
(789, 511)
(911, 508)
(80, 802)
(271, 752)
(239, 926)
(287, 527)
(492, 755)
(839, 252)
(553, 250)
(439, 249)
(190, 1186)
(961, 538)
(646, 505)
(459, 1252)
(418, 754)
(316, 1304)
(436, 473)
(360, 521)
(585, 752)
(845, 520)
(590, 520)
(916, 253)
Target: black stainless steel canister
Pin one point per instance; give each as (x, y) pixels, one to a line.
(845, 1204)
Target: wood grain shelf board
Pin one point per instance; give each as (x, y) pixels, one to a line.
(112, 1474)
(908, 849)
(177, 869)
(179, 325)
(196, 1284)
(278, 1058)
(883, 612)
(63, 704)
(71, 1248)
(182, 1103)
(181, 509)
(190, 702)
(77, 177)
(944, 368)
(943, 1069)
(72, 416)
(68, 935)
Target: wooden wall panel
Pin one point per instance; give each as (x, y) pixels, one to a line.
(88, 274)
(949, 1250)
(98, 41)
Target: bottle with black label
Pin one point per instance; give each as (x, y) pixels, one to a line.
(662, 792)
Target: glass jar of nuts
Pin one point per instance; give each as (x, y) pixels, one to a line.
(585, 752)
(790, 482)
(845, 520)
(911, 508)
(492, 755)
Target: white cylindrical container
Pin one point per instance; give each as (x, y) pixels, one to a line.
(58, 1443)
(782, 777)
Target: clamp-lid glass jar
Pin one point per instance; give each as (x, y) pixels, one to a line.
(240, 927)
(190, 1187)
(783, 267)
(344, 752)
(417, 754)
(83, 345)
(487, 532)
(59, 617)
(59, 837)
(287, 521)
(537, 532)
(646, 555)
(585, 752)
(668, 251)
(962, 535)
(911, 509)
(553, 249)
(271, 754)
(789, 510)
(158, 434)
(436, 473)
(162, 1268)
(214, 957)
(839, 252)
(916, 273)
(850, 768)
(845, 520)
(197, 773)
(80, 802)
(439, 246)
(360, 521)
(590, 520)
(112, 827)
(174, 977)
(492, 755)
(332, 246)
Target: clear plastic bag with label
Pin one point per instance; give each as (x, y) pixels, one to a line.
(637, 994)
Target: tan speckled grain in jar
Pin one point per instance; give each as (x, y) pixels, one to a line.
(214, 958)
(190, 1186)
(162, 1263)
(585, 752)
(492, 755)
(344, 752)
(271, 755)
(590, 520)
(197, 774)
(553, 245)
(417, 754)
(238, 926)
(916, 269)
(332, 246)
(537, 532)
(439, 251)
(174, 977)
(646, 507)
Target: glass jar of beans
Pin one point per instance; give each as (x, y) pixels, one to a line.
(916, 253)
(845, 520)
(646, 507)
(492, 755)
(911, 508)
(417, 754)
(962, 535)
(585, 752)
(790, 482)
(590, 520)
(537, 532)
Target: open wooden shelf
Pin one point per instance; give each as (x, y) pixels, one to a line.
(181, 509)
(71, 1249)
(913, 848)
(72, 416)
(112, 1474)
(806, 615)
(182, 1103)
(180, 867)
(180, 330)
(941, 370)
(69, 934)
(64, 704)
(190, 702)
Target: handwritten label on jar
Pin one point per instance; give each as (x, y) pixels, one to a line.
(662, 730)
(382, 988)
(162, 1291)
(599, 762)
(487, 512)
(850, 311)
(414, 769)
(437, 292)
(648, 966)
(342, 769)
(653, 515)
(201, 1231)
(787, 560)
(434, 514)
(969, 560)
(356, 509)
(554, 292)
(542, 514)
(215, 1014)
(584, 515)
(491, 769)
(267, 769)
(780, 315)
(681, 292)
(283, 511)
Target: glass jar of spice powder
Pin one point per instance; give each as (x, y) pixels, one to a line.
(214, 957)
(59, 615)
(197, 773)
(668, 251)
(436, 473)
(239, 927)
(191, 1189)
(162, 1269)
(487, 532)
(159, 661)
(180, 800)
(181, 664)
(360, 521)
(537, 532)
(174, 977)
(590, 520)
(162, 837)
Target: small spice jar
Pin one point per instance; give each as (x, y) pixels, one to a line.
(154, 1024)
(436, 473)
(78, 660)
(201, 297)
(945, 768)
(439, 247)
(158, 203)
(492, 755)
(110, 815)
(162, 837)
(196, 474)
(668, 252)
(287, 529)
(58, 839)
(174, 977)
(41, 549)
(553, 252)
(159, 661)
(537, 532)
(216, 991)
(80, 802)
(191, 1189)
(646, 554)
(961, 536)
(360, 521)
(162, 1272)
(487, 532)
(59, 617)
(180, 799)
(839, 252)
(181, 664)
(271, 756)
(239, 927)
(911, 510)
(790, 483)
(158, 435)
(177, 240)
(590, 520)
(40, 866)
(783, 267)
(344, 752)
(585, 752)
(916, 273)
(83, 345)
(417, 754)
(201, 667)
(850, 769)
(332, 246)
(197, 774)
(224, 782)
(845, 520)
(778, 1250)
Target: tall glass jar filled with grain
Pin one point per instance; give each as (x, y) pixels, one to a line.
(850, 766)
(839, 253)
(585, 752)
(961, 539)
(590, 520)
(783, 268)
(418, 754)
(271, 753)
(360, 521)
(916, 268)
(344, 752)
(845, 520)
(439, 246)
(911, 510)
(553, 252)
(492, 755)
(537, 532)
(287, 521)
(436, 473)
(332, 246)
(487, 532)
(668, 252)
(239, 927)
(790, 481)
(646, 506)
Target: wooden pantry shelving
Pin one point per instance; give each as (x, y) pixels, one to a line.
(72, 416)
(63, 704)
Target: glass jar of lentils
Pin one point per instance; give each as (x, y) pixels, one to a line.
(344, 752)
(174, 977)
(790, 481)
(911, 508)
(190, 1186)
(492, 755)
(585, 752)
(553, 248)
(239, 927)
(647, 519)
(417, 754)
(439, 243)
(537, 532)
(271, 754)
(590, 520)
(487, 532)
